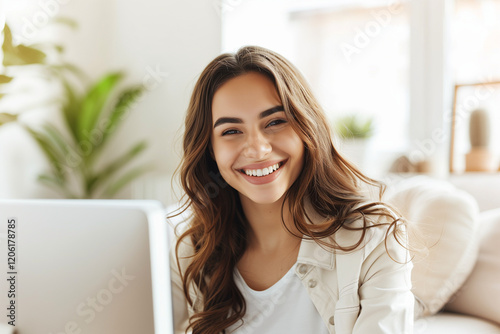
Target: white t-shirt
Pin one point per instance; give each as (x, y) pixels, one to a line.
(283, 308)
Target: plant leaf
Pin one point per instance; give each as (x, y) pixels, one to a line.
(66, 21)
(94, 102)
(113, 167)
(123, 105)
(7, 118)
(50, 180)
(70, 109)
(116, 186)
(7, 39)
(20, 54)
(28, 55)
(57, 139)
(56, 184)
(73, 69)
(40, 46)
(5, 79)
(352, 126)
(51, 153)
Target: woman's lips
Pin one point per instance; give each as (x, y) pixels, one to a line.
(264, 178)
(261, 165)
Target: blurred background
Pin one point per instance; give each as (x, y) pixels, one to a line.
(93, 93)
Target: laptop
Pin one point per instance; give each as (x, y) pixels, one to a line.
(84, 266)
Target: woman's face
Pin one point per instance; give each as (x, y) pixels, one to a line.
(257, 151)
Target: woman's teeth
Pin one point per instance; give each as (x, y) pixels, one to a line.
(263, 171)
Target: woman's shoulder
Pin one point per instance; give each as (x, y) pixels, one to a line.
(180, 221)
(181, 246)
(371, 231)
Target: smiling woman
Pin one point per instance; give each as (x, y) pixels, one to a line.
(251, 135)
(290, 243)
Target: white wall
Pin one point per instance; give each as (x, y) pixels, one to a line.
(2, 13)
(174, 39)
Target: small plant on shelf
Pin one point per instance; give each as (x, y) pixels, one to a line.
(354, 132)
(354, 126)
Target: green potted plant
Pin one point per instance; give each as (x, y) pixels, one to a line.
(91, 112)
(90, 117)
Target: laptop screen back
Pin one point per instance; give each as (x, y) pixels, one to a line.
(85, 267)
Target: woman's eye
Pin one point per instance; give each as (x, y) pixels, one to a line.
(276, 122)
(230, 132)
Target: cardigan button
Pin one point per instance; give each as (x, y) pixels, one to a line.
(312, 283)
(331, 320)
(303, 269)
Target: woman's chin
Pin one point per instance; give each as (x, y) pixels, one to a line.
(263, 199)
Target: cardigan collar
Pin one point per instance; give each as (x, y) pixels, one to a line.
(313, 253)
(310, 251)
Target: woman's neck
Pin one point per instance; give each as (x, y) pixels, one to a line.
(267, 233)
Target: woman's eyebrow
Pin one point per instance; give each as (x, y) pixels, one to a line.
(265, 113)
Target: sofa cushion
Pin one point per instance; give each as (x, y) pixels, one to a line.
(480, 294)
(445, 322)
(442, 227)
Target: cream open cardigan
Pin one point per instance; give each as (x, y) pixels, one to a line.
(365, 291)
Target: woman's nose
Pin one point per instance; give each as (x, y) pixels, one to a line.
(257, 146)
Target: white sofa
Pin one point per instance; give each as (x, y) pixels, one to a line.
(458, 279)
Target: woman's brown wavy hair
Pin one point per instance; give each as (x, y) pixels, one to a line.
(218, 227)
